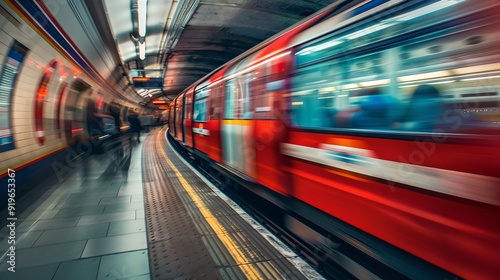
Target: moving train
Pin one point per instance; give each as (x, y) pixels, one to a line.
(52, 110)
(382, 116)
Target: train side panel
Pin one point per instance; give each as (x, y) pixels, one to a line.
(394, 130)
(270, 129)
(208, 108)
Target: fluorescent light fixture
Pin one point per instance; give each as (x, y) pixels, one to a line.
(477, 69)
(375, 83)
(319, 47)
(427, 10)
(327, 97)
(442, 82)
(383, 25)
(142, 50)
(350, 86)
(368, 30)
(480, 78)
(425, 76)
(252, 67)
(326, 90)
(142, 7)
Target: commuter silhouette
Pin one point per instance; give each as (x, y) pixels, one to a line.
(135, 124)
(424, 109)
(114, 111)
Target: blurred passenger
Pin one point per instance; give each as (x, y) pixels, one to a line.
(95, 122)
(424, 110)
(375, 112)
(146, 122)
(135, 125)
(327, 115)
(114, 111)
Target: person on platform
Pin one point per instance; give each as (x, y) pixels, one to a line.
(135, 124)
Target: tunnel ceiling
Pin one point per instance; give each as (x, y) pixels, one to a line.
(217, 33)
(185, 40)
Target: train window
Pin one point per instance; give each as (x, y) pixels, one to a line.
(238, 97)
(231, 96)
(445, 77)
(263, 87)
(8, 79)
(188, 97)
(200, 105)
(243, 83)
(215, 102)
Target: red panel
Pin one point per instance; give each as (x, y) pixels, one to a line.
(457, 235)
(268, 136)
(215, 123)
(202, 141)
(215, 141)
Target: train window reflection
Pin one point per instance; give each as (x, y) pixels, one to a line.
(200, 105)
(440, 80)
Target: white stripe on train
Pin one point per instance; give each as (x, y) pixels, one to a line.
(475, 187)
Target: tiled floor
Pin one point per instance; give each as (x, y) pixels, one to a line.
(92, 226)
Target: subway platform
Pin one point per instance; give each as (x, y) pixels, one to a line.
(154, 219)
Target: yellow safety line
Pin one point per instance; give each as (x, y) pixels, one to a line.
(217, 227)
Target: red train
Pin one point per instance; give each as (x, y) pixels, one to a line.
(382, 114)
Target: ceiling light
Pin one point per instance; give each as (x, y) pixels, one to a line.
(141, 16)
(142, 50)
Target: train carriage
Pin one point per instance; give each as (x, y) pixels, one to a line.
(382, 115)
(208, 108)
(380, 140)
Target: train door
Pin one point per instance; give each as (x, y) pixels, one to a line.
(238, 148)
(268, 91)
(215, 105)
(188, 118)
(179, 108)
(200, 128)
(207, 115)
(73, 117)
